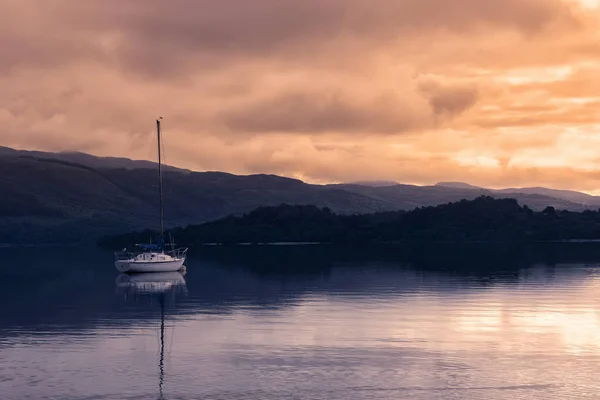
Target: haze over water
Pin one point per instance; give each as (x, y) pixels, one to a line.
(304, 323)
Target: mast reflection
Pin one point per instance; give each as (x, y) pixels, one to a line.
(159, 286)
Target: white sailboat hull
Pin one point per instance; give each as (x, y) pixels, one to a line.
(149, 266)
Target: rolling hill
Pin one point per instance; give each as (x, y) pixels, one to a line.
(568, 195)
(85, 159)
(76, 197)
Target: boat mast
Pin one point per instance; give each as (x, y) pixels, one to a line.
(160, 188)
(161, 361)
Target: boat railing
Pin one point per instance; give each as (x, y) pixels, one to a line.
(178, 252)
(125, 255)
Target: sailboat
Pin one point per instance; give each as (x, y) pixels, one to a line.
(153, 257)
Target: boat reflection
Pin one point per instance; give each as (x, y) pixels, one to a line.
(154, 285)
(151, 283)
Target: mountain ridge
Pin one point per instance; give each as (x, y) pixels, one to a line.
(53, 198)
(458, 185)
(570, 195)
(86, 159)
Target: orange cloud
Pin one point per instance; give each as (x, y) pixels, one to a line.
(497, 93)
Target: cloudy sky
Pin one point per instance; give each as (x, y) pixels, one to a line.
(493, 92)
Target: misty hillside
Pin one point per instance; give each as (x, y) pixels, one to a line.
(457, 185)
(74, 197)
(85, 159)
(568, 195)
(375, 183)
(407, 197)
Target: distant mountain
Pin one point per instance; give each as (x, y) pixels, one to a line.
(375, 183)
(74, 197)
(51, 200)
(568, 195)
(457, 185)
(407, 197)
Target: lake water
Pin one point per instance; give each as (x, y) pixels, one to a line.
(303, 323)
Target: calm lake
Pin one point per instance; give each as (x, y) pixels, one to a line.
(304, 323)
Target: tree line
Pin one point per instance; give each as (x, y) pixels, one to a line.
(484, 219)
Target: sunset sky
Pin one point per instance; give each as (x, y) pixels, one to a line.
(498, 93)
